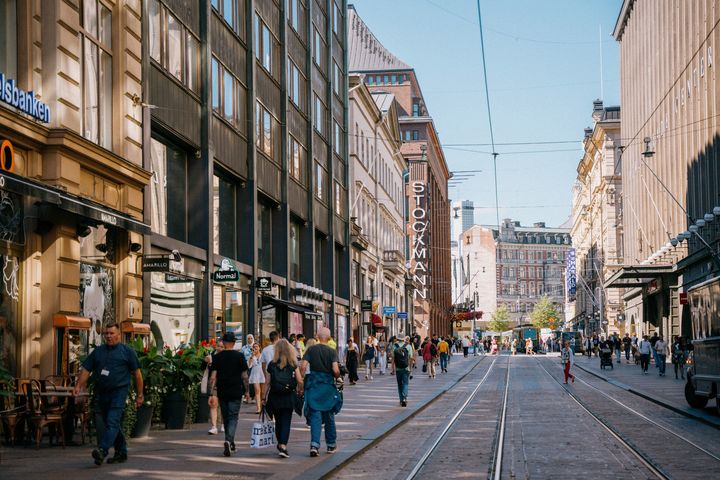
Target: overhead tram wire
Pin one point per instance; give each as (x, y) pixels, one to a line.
(487, 102)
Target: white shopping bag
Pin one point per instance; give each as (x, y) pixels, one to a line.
(263, 433)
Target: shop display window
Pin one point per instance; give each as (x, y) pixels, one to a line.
(173, 310)
(9, 296)
(97, 280)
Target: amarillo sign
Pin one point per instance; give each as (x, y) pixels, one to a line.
(419, 223)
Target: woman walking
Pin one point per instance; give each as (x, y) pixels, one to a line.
(678, 357)
(568, 358)
(428, 354)
(351, 361)
(382, 357)
(283, 378)
(369, 357)
(212, 395)
(257, 377)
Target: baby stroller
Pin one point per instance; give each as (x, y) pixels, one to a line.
(606, 358)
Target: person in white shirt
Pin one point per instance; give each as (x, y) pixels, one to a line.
(645, 349)
(661, 351)
(268, 353)
(568, 358)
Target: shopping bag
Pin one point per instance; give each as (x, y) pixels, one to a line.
(263, 433)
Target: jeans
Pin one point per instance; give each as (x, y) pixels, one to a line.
(283, 419)
(627, 354)
(443, 361)
(230, 410)
(112, 405)
(661, 363)
(383, 363)
(368, 367)
(401, 375)
(316, 424)
(617, 354)
(644, 361)
(566, 371)
(655, 357)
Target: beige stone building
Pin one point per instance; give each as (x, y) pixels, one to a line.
(475, 269)
(597, 218)
(71, 185)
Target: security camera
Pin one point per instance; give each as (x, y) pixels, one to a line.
(175, 256)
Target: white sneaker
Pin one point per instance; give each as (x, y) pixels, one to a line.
(222, 428)
(371, 377)
(213, 431)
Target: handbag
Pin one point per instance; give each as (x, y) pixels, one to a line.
(204, 381)
(298, 403)
(263, 433)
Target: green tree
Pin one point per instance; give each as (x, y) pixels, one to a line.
(500, 320)
(544, 315)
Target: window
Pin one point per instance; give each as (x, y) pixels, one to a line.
(415, 135)
(8, 38)
(319, 116)
(266, 132)
(168, 190)
(318, 49)
(408, 135)
(229, 10)
(371, 80)
(319, 250)
(295, 230)
(264, 236)
(296, 162)
(224, 230)
(394, 79)
(296, 86)
(386, 79)
(228, 95)
(174, 47)
(337, 79)
(96, 37)
(339, 210)
(337, 138)
(293, 14)
(321, 183)
(416, 110)
(264, 45)
(337, 20)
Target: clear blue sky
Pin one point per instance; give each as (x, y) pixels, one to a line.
(543, 61)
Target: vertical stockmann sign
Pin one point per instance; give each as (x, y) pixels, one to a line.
(419, 222)
(22, 100)
(570, 278)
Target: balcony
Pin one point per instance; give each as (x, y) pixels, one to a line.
(357, 239)
(393, 261)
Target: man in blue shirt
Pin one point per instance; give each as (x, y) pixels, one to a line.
(111, 366)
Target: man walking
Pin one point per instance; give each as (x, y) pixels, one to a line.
(627, 341)
(322, 398)
(111, 365)
(228, 369)
(444, 350)
(661, 353)
(401, 358)
(269, 352)
(645, 348)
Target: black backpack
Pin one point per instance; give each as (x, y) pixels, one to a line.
(433, 349)
(401, 357)
(282, 380)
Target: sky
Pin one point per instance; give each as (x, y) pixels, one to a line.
(543, 61)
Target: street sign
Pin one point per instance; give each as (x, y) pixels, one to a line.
(402, 315)
(683, 298)
(226, 276)
(170, 278)
(366, 305)
(389, 309)
(155, 264)
(263, 283)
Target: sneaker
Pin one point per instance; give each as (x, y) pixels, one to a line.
(118, 458)
(99, 455)
(283, 453)
(213, 431)
(371, 377)
(232, 446)
(403, 403)
(226, 449)
(222, 428)
(331, 450)
(314, 451)
(366, 377)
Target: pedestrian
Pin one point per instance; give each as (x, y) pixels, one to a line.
(376, 359)
(428, 354)
(513, 346)
(268, 353)
(465, 346)
(401, 358)
(653, 341)
(382, 357)
(369, 357)
(257, 377)
(247, 350)
(212, 395)
(300, 346)
(568, 359)
(678, 357)
(283, 379)
(645, 349)
(322, 398)
(111, 365)
(617, 344)
(227, 369)
(661, 353)
(596, 345)
(627, 342)
(351, 361)
(444, 350)
(588, 346)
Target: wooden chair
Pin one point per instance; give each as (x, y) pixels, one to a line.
(38, 417)
(11, 414)
(81, 415)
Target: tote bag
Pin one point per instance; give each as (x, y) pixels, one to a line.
(263, 433)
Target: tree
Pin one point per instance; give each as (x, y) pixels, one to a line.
(544, 315)
(500, 320)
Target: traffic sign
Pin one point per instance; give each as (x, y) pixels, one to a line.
(389, 309)
(402, 315)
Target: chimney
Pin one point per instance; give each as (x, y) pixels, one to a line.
(597, 110)
(588, 132)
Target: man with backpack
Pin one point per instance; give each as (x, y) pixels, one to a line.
(401, 359)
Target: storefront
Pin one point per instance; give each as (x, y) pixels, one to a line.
(230, 302)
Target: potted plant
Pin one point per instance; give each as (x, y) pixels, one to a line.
(153, 365)
(182, 376)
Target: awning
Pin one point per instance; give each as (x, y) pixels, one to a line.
(135, 327)
(637, 275)
(292, 307)
(71, 321)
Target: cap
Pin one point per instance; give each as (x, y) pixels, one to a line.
(229, 337)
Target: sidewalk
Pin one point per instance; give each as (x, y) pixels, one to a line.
(665, 391)
(370, 410)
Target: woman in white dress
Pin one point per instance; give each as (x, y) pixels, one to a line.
(257, 377)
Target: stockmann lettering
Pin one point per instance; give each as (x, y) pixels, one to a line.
(22, 100)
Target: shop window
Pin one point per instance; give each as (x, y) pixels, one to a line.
(168, 190)
(173, 309)
(97, 280)
(96, 35)
(264, 237)
(224, 217)
(295, 232)
(10, 289)
(231, 311)
(173, 46)
(8, 38)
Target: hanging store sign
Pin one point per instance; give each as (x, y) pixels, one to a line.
(402, 315)
(419, 223)
(263, 283)
(570, 274)
(389, 310)
(366, 305)
(22, 100)
(155, 264)
(226, 273)
(7, 156)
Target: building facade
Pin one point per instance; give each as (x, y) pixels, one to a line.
(477, 267)
(378, 267)
(530, 264)
(669, 156)
(596, 232)
(72, 181)
(428, 208)
(246, 135)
